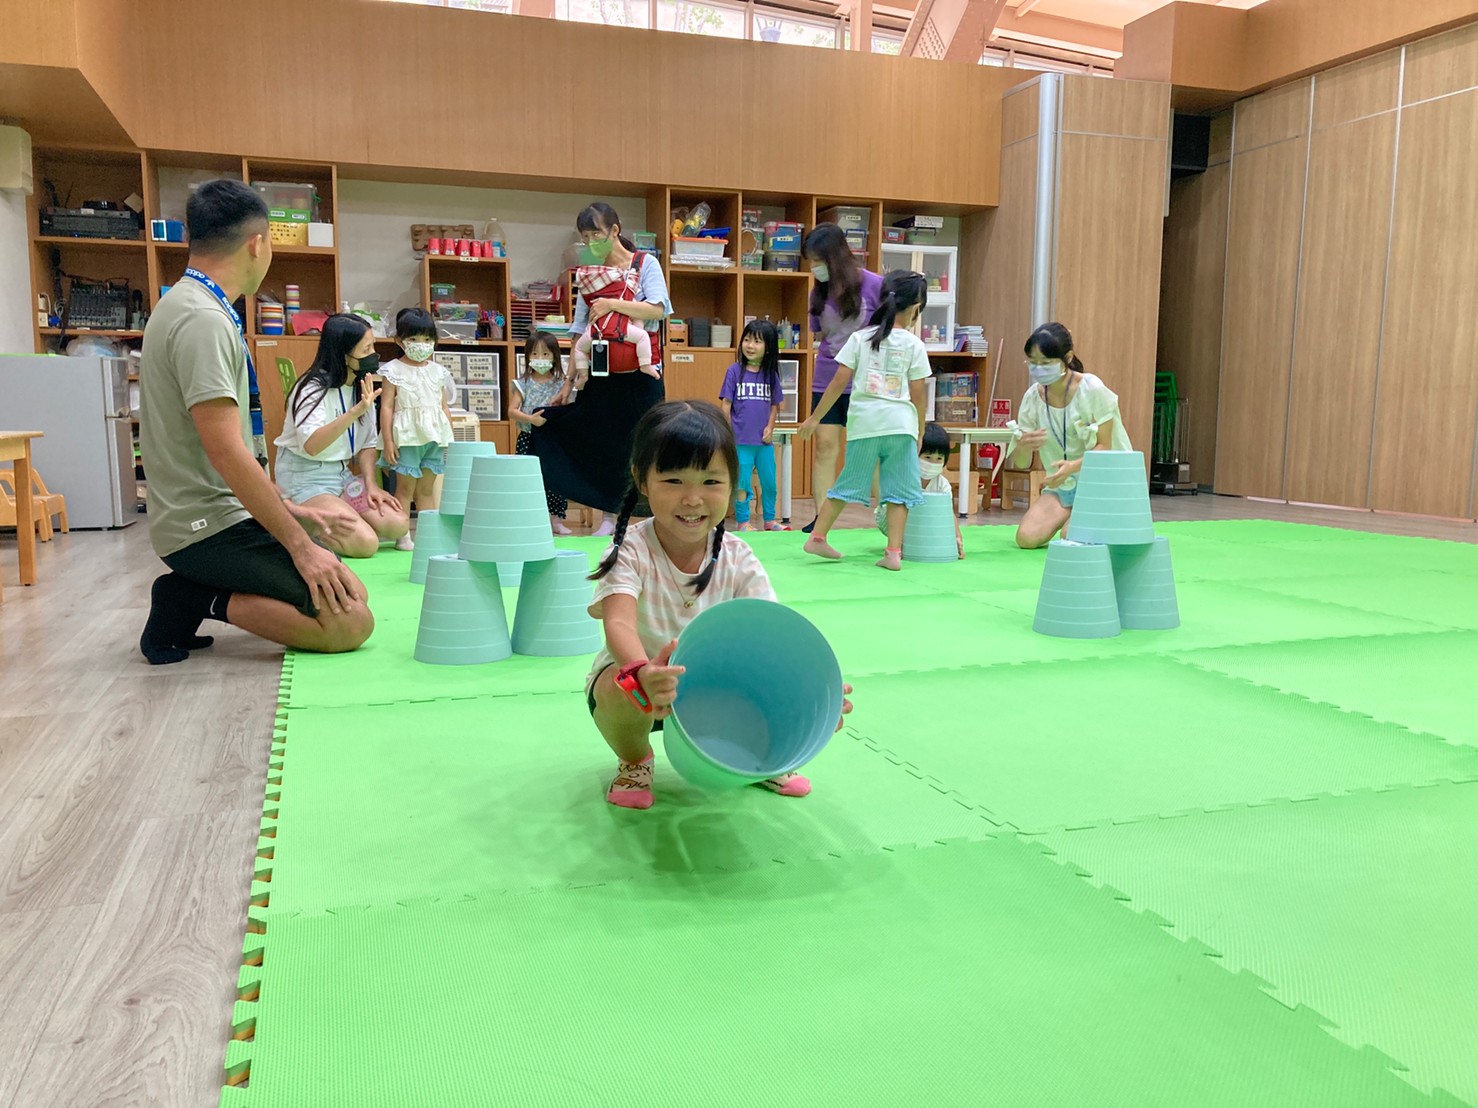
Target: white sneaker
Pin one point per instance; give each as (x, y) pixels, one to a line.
(404, 543)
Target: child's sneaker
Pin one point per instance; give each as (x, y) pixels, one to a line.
(632, 787)
(787, 784)
(773, 526)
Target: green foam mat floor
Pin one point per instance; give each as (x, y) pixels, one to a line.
(1261, 891)
(963, 974)
(1361, 907)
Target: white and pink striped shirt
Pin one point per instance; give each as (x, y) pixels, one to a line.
(665, 602)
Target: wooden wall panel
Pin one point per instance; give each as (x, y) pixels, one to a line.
(1133, 109)
(1357, 90)
(1192, 284)
(1220, 148)
(1266, 210)
(39, 33)
(1106, 285)
(996, 268)
(1021, 113)
(468, 105)
(1441, 65)
(1342, 280)
(1272, 117)
(1427, 403)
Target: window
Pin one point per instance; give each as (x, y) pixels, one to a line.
(613, 13)
(503, 7)
(700, 19)
(887, 44)
(794, 31)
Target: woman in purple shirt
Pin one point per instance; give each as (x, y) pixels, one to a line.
(843, 299)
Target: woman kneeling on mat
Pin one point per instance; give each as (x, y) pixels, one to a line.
(658, 575)
(1065, 412)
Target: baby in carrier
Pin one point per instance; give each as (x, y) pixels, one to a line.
(595, 282)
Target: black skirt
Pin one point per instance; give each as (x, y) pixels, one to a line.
(584, 448)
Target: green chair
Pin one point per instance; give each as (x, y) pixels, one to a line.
(289, 374)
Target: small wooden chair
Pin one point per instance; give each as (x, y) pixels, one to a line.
(44, 503)
(1021, 483)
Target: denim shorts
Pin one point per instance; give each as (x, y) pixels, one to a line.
(1066, 496)
(302, 478)
(411, 460)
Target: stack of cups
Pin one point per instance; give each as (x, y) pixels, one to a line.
(270, 318)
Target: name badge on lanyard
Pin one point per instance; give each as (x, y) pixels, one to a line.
(220, 294)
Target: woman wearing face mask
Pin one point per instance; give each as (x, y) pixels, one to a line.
(585, 447)
(1064, 413)
(843, 299)
(326, 452)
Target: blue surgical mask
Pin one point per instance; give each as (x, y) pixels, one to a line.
(821, 272)
(1045, 373)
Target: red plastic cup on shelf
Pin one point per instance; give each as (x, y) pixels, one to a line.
(464, 248)
(433, 246)
(476, 248)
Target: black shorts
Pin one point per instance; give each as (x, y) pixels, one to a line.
(244, 558)
(590, 697)
(838, 414)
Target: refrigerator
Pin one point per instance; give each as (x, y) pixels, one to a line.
(81, 404)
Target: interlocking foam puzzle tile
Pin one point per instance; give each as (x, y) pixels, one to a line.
(1212, 613)
(1423, 682)
(1132, 738)
(1442, 599)
(979, 973)
(1361, 907)
(1257, 531)
(446, 798)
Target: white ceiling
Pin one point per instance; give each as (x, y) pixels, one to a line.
(1095, 27)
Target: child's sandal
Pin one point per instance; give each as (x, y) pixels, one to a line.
(787, 784)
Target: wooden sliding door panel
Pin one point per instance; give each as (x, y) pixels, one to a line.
(1427, 402)
(1257, 329)
(1347, 222)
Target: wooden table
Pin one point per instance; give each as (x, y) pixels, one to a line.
(15, 447)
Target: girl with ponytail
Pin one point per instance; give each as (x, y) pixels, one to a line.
(1065, 413)
(658, 575)
(885, 364)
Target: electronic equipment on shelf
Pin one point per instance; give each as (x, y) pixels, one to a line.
(102, 306)
(90, 223)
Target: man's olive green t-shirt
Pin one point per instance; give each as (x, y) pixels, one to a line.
(192, 353)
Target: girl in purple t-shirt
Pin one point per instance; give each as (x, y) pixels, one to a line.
(751, 399)
(843, 298)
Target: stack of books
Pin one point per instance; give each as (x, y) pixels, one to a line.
(971, 340)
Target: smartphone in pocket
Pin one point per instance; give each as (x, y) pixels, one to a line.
(600, 358)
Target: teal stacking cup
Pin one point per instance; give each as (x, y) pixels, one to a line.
(435, 534)
(1145, 583)
(1077, 599)
(1112, 503)
(454, 482)
(463, 621)
(507, 517)
(930, 533)
(552, 619)
(761, 695)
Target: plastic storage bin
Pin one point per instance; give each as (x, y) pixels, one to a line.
(782, 262)
(783, 238)
(848, 219)
(696, 247)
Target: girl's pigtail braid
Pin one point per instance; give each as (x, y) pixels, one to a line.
(700, 582)
(627, 507)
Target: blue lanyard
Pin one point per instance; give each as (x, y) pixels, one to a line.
(344, 410)
(220, 294)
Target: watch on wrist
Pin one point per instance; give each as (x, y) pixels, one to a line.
(626, 681)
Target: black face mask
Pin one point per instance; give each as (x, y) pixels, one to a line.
(367, 364)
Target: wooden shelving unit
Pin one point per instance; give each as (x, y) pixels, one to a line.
(727, 295)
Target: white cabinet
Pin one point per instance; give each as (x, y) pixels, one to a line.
(938, 264)
(790, 375)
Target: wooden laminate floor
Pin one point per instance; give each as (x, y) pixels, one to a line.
(129, 803)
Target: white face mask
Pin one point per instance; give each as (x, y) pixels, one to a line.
(1045, 373)
(540, 365)
(821, 272)
(930, 470)
(419, 351)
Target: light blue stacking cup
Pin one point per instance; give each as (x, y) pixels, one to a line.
(761, 695)
(454, 482)
(435, 534)
(1145, 583)
(930, 533)
(1112, 503)
(553, 619)
(1077, 598)
(507, 517)
(463, 621)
